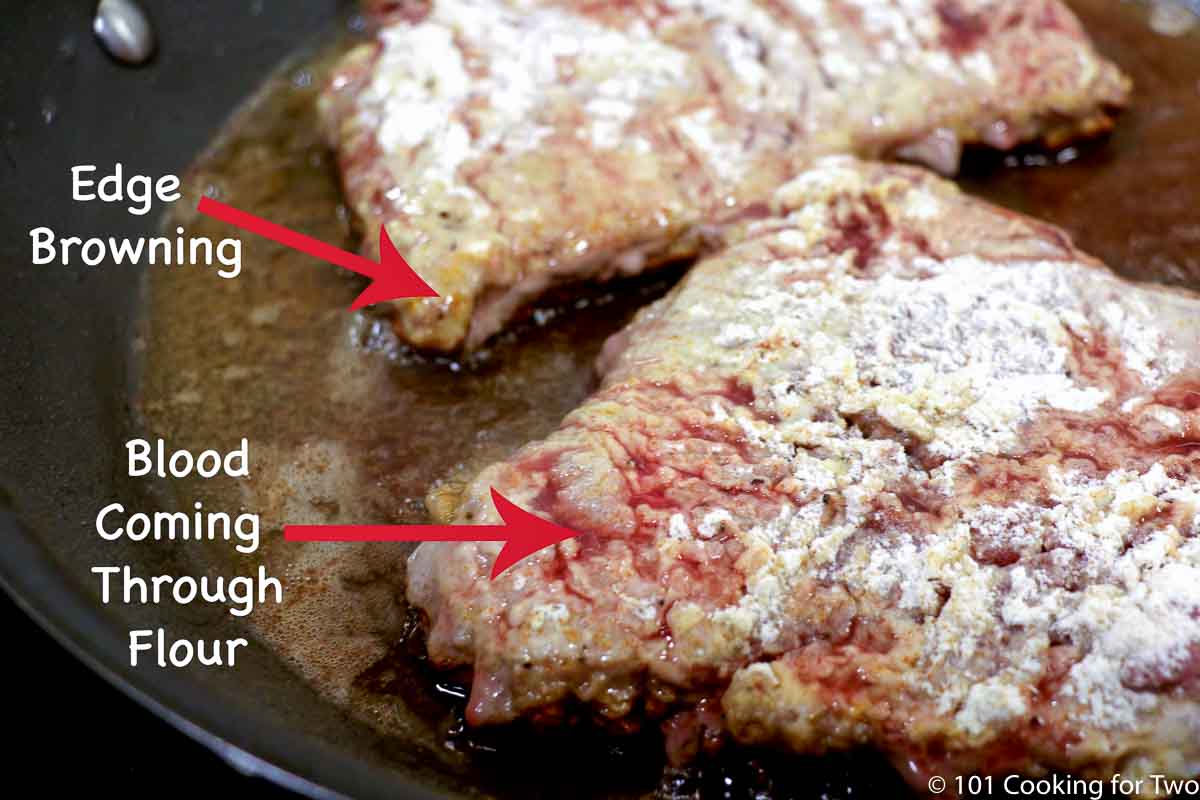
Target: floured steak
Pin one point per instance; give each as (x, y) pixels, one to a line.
(896, 468)
(515, 146)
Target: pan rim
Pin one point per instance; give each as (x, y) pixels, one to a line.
(249, 743)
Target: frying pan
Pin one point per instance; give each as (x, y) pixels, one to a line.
(66, 372)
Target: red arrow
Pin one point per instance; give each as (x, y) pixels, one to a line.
(523, 533)
(391, 276)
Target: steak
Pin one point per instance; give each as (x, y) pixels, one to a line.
(895, 468)
(513, 146)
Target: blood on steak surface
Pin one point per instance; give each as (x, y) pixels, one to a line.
(514, 146)
(894, 468)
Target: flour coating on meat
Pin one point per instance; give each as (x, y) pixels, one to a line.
(895, 468)
(514, 146)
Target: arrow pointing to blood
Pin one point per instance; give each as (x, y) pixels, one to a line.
(523, 533)
(391, 276)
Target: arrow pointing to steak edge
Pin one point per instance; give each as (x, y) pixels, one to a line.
(391, 276)
(523, 533)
